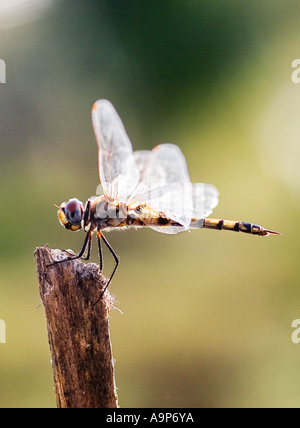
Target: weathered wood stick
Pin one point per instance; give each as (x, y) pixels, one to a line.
(78, 332)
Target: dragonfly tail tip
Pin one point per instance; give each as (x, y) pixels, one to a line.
(270, 232)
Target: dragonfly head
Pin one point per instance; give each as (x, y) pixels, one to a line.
(70, 214)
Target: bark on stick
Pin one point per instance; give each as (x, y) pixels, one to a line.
(78, 332)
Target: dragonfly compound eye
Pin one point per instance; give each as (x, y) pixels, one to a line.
(70, 214)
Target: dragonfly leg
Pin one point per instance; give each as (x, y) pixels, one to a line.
(99, 234)
(88, 254)
(87, 241)
(99, 237)
(87, 213)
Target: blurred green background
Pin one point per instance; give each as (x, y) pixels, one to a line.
(206, 315)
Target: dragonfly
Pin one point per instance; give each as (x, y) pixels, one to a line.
(141, 189)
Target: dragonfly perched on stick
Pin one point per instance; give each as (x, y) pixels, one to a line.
(141, 189)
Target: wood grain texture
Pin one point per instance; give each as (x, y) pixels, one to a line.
(78, 332)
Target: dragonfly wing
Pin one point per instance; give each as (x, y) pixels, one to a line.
(170, 230)
(118, 172)
(165, 185)
(205, 199)
(165, 164)
(141, 158)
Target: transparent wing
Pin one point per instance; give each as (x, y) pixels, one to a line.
(205, 199)
(165, 185)
(141, 158)
(165, 164)
(118, 172)
(176, 203)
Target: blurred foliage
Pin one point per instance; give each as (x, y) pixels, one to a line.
(206, 316)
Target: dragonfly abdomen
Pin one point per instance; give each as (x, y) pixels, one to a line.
(235, 226)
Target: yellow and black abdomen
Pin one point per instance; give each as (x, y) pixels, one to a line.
(235, 226)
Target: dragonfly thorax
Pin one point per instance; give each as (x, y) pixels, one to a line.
(107, 212)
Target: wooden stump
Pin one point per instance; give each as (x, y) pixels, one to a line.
(78, 332)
